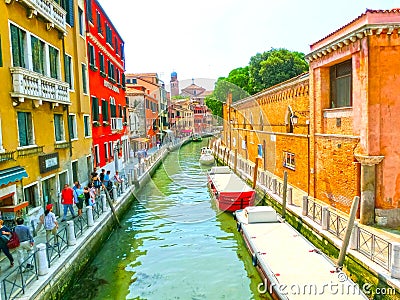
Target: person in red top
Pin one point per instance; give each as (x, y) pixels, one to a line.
(67, 199)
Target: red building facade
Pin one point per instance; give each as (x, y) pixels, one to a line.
(107, 89)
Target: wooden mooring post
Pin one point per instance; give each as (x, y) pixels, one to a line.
(284, 193)
(235, 162)
(111, 206)
(255, 173)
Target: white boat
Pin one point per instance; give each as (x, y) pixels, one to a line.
(206, 157)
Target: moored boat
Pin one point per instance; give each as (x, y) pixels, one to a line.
(196, 137)
(206, 157)
(229, 191)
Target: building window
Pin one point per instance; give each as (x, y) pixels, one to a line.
(37, 55)
(18, 46)
(25, 129)
(31, 194)
(116, 45)
(104, 110)
(86, 125)
(113, 108)
(53, 55)
(96, 155)
(68, 71)
(288, 160)
(81, 21)
(92, 58)
(101, 64)
(122, 51)
(75, 173)
(59, 128)
(109, 38)
(341, 85)
(89, 10)
(110, 147)
(99, 28)
(95, 108)
(73, 134)
(84, 79)
(106, 151)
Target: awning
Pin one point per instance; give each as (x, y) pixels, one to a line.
(186, 130)
(12, 174)
(141, 140)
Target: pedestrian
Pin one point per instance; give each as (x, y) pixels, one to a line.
(50, 223)
(92, 193)
(76, 184)
(67, 200)
(102, 174)
(25, 241)
(97, 183)
(86, 193)
(5, 235)
(106, 180)
(117, 180)
(79, 198)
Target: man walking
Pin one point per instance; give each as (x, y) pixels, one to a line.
(67, 199)
(25, 239)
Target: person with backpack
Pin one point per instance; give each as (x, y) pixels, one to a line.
(96, 183)
(67, 200)
(5, 235)
(79, 198)
(25, 241)
(50, 223)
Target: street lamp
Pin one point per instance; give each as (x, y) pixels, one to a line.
(294, 119)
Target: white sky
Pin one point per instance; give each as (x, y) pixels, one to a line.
(209, 38)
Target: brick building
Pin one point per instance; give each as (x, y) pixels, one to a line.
(334, 130)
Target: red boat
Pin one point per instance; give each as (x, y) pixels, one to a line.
(229, 191)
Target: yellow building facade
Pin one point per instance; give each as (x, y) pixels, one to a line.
(45, 137)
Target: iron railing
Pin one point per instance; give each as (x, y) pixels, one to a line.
(336, 224)
(314, 211)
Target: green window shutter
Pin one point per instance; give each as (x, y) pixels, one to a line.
(70, 12)
(37, 55)
(89, 10)
(53, 53)
(104, 110)
(67, 69)
(84, 79)
(22, 130)
(17, 44)
(95, 109)
(58, 127)
(101, 62)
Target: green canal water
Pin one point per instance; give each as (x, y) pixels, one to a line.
(173, 244)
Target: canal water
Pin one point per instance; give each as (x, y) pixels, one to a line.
(173, 244)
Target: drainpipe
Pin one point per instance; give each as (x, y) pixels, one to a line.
(67, 106)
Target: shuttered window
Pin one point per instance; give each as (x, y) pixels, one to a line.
(95, 109)
(17, 45)
(84, 79)
(53, 58)
(68, 70)
(99, 28)
(58, 128)
(104, 110)
(25, 129)
(89, 10)
(37, 55)
(69, 8)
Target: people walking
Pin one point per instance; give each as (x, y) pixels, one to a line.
(50, 223)
(117, 181)
(67, 200)
(5, 235)
(79, 198)
(97, 182)
(25, 239)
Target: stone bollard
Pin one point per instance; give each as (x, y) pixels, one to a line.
(304, 211)
(354, 237)
(325, 218)
(71, 233)
(274, 182)
(104, 202)
(395, 271)
(114, 193)
(42, 263)
(122, 184)
(89, 212)
(129, 178)
(289, 196)
(135, 174)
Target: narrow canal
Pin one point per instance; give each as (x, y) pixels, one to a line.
(173, 244)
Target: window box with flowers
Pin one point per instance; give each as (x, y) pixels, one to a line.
(96, 123)
(106, 123)
(125, 123)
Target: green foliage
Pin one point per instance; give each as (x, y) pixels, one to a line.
(214, 105)
(178, 97)
(275, 66)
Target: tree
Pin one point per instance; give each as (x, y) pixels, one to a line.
(275, 66)
(214, 105)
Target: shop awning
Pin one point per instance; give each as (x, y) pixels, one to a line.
(141, 140)
(12, 174)
(186, 130)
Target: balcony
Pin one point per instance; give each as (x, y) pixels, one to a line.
(5, 156)
(62, 145)
(54, 14)
(30, 151)
(116, 124)
(32, 85)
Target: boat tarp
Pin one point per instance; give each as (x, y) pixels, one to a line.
(229, 183)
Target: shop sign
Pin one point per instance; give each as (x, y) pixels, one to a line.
(48, 162)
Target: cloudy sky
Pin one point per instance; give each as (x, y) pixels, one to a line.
(208, 38)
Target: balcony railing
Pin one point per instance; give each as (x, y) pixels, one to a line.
(62, 145)
(53, 13)
(32, 85)
(7, 156)
(30, 151)
(116, 124)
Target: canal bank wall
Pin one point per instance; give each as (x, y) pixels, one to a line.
(73, 261)
(358, 267)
